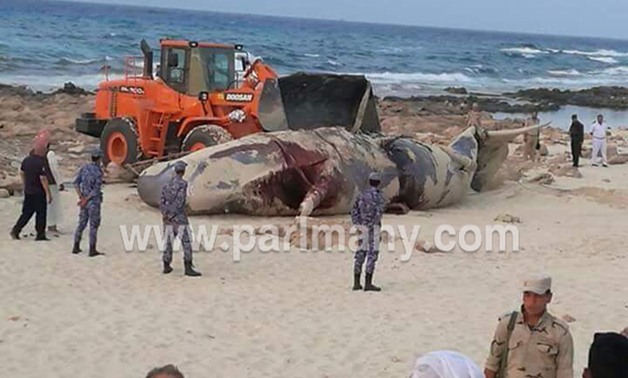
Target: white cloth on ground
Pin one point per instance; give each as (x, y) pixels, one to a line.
(446, 364)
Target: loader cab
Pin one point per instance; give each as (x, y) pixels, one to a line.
(193, 67)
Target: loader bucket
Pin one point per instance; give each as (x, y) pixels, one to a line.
(321, 100)
(271, 111)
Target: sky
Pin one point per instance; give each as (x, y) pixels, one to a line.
(591, 18)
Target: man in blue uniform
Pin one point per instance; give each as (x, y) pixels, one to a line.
(366, 213)
(175, 221)
(88, 184)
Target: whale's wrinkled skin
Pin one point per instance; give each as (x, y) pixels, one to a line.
(320, 171)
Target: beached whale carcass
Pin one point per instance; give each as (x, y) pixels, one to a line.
(320, 171)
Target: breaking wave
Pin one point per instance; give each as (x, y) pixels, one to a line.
(571, 72)
(71, 61)
(525, 51)
(603, 59)
(418, 77)
(602, 53)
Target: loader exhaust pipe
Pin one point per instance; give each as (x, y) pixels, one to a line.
(148, 59)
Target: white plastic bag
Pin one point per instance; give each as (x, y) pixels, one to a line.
(445, 364)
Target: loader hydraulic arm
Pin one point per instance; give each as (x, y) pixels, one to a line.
(258, 72)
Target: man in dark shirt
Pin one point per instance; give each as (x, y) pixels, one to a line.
(576, 131)
(608, 356)
(36, 195)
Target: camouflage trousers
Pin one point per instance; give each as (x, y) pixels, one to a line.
(172, 230)
(368, 250)
(91, 213)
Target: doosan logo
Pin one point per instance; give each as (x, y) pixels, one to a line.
(239, 97)
(134, 90)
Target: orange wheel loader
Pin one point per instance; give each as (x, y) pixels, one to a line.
(205, 93)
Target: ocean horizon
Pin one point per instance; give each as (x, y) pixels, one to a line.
(44, 44)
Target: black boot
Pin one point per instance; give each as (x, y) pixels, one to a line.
(77, 248)
(356, 282)
(189, 271)
(167, 268)
(368, 285)
(93, 252)
(15, 235)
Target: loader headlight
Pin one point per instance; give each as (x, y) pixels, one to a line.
(237, 115)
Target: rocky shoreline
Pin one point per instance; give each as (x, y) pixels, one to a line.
(529, 100)
(522, 101)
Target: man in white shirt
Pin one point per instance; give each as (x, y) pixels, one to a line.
(474, 117)
(56, 185)
(598, 133)
(531, 139)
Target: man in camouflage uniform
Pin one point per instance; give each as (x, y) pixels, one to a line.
(540, 345)
(366, 213)
(175, 221)
(88, 185)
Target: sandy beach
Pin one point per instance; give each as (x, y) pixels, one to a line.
(293, 314)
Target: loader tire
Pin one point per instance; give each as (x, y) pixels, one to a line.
(204, 136)
(119, 142)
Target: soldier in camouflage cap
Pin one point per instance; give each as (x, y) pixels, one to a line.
(536, 343)
(175, 221)
(366, 213)
(88, 184)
